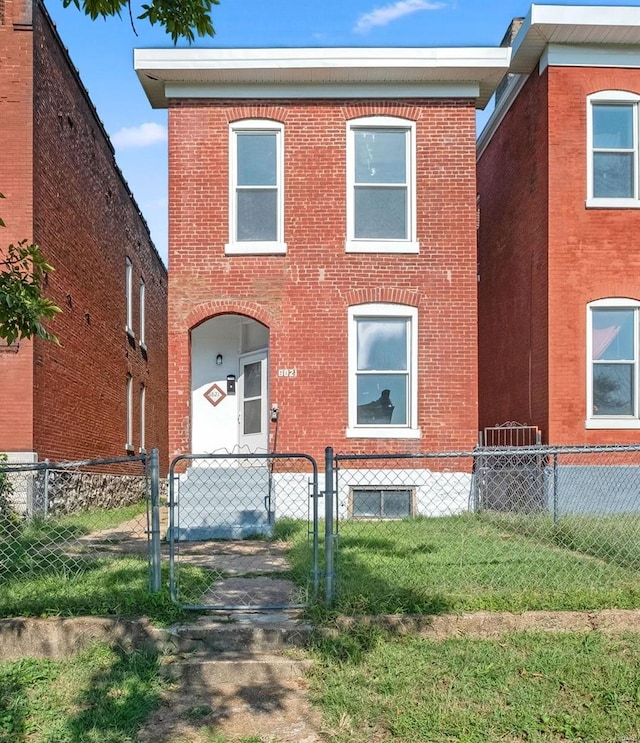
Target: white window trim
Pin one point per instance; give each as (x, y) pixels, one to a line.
(143, 317)
(618, 422)
(275, 247)
(355, 245)
(383, 310)
(128, 288)
(129, 405)
(613, 96)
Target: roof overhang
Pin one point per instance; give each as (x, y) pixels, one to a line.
(574, 25)
(326, 73)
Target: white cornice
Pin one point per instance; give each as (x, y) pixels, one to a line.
(308, 71)
(573, 25)
(567, 35)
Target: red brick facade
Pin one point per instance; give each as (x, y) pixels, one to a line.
(65, 192)
(544, 255)
(513, 202)
(304, 296)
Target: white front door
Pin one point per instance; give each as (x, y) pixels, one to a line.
(253, 415)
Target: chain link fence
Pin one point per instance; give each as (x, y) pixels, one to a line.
(510, 529)
(64, 517)
(249, 524)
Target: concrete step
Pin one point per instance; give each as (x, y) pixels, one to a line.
(229, 668)
(252, 633)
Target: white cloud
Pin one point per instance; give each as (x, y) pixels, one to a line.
(383, 16)
(140, 136)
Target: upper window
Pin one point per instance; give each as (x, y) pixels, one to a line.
(143, 319)
(381, 186)
(613, 149)
(612, 371)
(383, 371)
(128, 288)
(256, 188)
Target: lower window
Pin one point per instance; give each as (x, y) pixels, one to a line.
(382, 370)
(612, 373)
(387, 503)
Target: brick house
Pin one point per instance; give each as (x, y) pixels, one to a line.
(559, 198)
(102, 392)
(322, 230)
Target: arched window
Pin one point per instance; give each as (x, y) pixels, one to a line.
(612, 149)
(612, 363)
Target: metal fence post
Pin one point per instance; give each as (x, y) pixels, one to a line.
(154, 477)
(328, 527)
(555, 488)
(46, 489)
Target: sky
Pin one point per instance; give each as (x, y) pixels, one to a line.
(102, 51)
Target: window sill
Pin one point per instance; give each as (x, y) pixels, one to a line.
(255, 248)
(613, 423)
(129, 448)
(382, 246)
(387, 432)
(612, 203)
(129, 332)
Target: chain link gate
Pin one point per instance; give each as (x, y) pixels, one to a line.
(243, 531)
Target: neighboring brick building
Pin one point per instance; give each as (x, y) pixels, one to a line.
(102, 392)
(322, 246)
(559, 199)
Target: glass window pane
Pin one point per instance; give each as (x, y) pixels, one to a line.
(396, 504)
(366, 503)
(380, 213)
(382, 344)
(257, 215)
(612, 175)
(380, 156)
(382, 399)
(253, 416)
(256, 159)
(613, 126)
(253, 379)
(612, 336)
(613, 389)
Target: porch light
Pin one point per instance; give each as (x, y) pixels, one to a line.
(219, 359)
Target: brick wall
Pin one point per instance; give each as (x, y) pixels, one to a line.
(16, 209)
(512, 263)
(86, 222)
(304, 296)
(593, 252)
(544, 256)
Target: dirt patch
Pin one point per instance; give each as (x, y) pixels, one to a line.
(276, 710)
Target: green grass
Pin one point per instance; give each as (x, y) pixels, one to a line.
(42, 545)
(614, 539)
(103, 695)
(466, 563)
(495, 562)
(42, 572)
(104, 587)
(523, 687)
